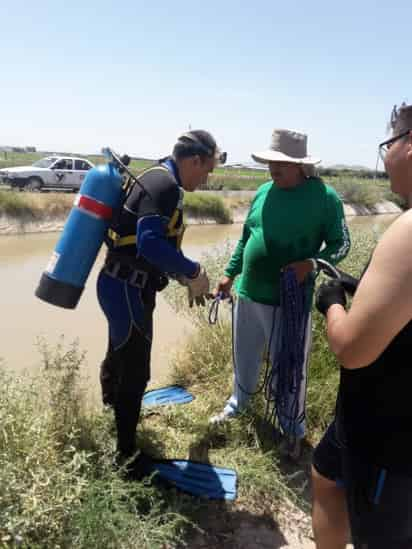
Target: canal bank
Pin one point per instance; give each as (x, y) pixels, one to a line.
(15, 225)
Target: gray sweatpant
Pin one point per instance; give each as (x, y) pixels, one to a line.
(256, 327)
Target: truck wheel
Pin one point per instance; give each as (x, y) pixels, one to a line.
(34, 184)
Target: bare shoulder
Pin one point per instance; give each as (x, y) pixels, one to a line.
(395, 247)
(400, 230)
(404, 220)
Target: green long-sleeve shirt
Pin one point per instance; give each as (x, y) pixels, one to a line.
(284, 226)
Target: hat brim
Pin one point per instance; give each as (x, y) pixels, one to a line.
(265, 157)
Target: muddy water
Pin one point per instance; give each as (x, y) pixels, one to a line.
(24, 318)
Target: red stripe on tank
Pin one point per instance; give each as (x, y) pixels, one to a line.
(93, 206)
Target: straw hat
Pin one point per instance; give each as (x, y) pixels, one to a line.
(286, 146)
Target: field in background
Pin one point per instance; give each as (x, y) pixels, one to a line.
(354, 186)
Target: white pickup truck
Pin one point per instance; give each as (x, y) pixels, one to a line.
(52, 172)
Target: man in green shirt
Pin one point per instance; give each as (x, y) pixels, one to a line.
(293, 220)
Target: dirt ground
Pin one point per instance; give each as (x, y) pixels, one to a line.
(239, 529)
(276, 524)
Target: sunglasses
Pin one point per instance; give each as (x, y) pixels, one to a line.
(386, 145)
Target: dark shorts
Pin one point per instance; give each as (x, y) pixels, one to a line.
(379, 501)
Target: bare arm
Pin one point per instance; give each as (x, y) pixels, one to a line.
(382, 304)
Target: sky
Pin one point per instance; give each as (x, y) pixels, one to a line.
(133, 75)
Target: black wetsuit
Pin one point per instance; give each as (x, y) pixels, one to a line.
(144, 248)
(368, 447)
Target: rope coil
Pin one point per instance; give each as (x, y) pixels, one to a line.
(284, 382)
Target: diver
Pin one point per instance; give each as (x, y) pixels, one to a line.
(144, 249)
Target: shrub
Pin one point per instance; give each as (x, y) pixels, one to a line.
(34, 206)
(15, 205)
(57, 484)
(355, 191)
(206, 207)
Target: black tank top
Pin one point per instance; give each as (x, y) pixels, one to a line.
(374, 407)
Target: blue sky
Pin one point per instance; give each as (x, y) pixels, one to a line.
(77, 76)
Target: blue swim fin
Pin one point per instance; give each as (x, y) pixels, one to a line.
(174, 394)
(197, 479)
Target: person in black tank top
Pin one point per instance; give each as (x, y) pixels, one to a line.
(362, 468)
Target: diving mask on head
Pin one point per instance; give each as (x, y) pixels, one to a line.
(220, 157)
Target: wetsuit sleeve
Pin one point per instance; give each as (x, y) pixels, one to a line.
(154, 208)
(336, 232)
(154, 247)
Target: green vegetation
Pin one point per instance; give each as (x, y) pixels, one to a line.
(57, 485)
(236, 183)
(354, 186)
(202, 206)
(11, 159)
(34, 206)
(364, 191)
(42, 206)
(356, 191)
(15, 205)
(135, 166)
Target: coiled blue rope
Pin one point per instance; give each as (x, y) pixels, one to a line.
(283, 378)
(284, 382)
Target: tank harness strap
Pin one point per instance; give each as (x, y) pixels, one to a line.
(172, 230)
(117, 241)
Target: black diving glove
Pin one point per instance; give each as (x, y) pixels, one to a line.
(349, 282)
(328, 294)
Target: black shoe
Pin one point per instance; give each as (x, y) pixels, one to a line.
(134, 467)
(290, 446)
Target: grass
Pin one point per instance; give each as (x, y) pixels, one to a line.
(202, 206)
(235, 182)
(41, 206)
(365, 192)
(57, 485)
(34, 206)
(10, 159)
(357, 191)
(362, 191)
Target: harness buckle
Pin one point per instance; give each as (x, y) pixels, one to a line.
(112, 269)
(134, 277)
(138, 278)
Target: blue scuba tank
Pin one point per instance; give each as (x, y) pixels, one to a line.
(64, 278)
